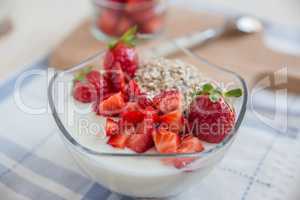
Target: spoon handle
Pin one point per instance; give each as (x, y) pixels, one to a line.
(187, 41)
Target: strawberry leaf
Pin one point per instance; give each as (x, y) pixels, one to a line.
(214, 96)
(129, 38)
(234, 93)
(207, 88)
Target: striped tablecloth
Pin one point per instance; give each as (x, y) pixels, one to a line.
(263, 162)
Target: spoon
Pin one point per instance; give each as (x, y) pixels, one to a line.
(232, 25)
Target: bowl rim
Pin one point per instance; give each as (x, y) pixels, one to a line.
(82, 149)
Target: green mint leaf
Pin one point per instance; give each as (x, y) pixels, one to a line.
(234, 93)
(207, 88)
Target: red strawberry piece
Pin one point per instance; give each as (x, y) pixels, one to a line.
(126, 128)
(94, 78)
(143, 101)
(132, 91)
(152, 25)
(166, 141)
(210, 117)
(111, 127)
(101, 84)
(118, 141)
(105, 89)
(210, 121)
(84, 92)
(188, 144)
(108, 21)
(112, 105)
(141, 11)
(123, 25)
(123, 54)
(150, 114)
(116, 78)
(142, 140)
(172, 121)
(168, 101)
(132, 114)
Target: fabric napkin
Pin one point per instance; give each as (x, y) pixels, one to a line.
(263, 162)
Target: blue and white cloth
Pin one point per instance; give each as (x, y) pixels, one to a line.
(263, 163)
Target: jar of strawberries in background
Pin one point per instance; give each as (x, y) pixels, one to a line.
(113, 17)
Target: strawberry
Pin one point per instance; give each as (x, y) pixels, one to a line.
(124, 24)
(141, 11)
(84, 92)
(150, 114)
(189, 144)
(108, 21)
(131, 113)
(172, 121)
(112, 105)
(143, 101)
(111, 127)
(210, 117)
(126, 127)
(152, 25)
(142, 140)
(122, 53)
(166, 141)
(94, 78)
(132, 91)
(105, 87)
(168, 101)
(116, 78)
(118, 141)
(100, 82)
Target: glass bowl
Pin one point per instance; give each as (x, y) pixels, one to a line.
(138, 175)
(112, 18)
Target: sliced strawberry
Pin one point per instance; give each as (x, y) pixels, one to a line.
(84, 92)
(111, 127)
(168, 101)
(126, 127)
(118, 141)
(112, 105)
(172, 121)
(166, 141)
(189, 144)
(132, 114)
(132, 91)
(144, 101)
(116, 78)
(94, 78)
(151, 114)
(142, 140)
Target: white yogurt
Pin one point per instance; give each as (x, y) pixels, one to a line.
(132, 176)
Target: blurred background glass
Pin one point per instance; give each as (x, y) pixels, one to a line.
(113, 17)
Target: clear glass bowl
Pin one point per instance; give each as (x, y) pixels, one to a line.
(141, 175)
(112, 18)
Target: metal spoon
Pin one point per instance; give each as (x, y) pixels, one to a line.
(232, 25)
